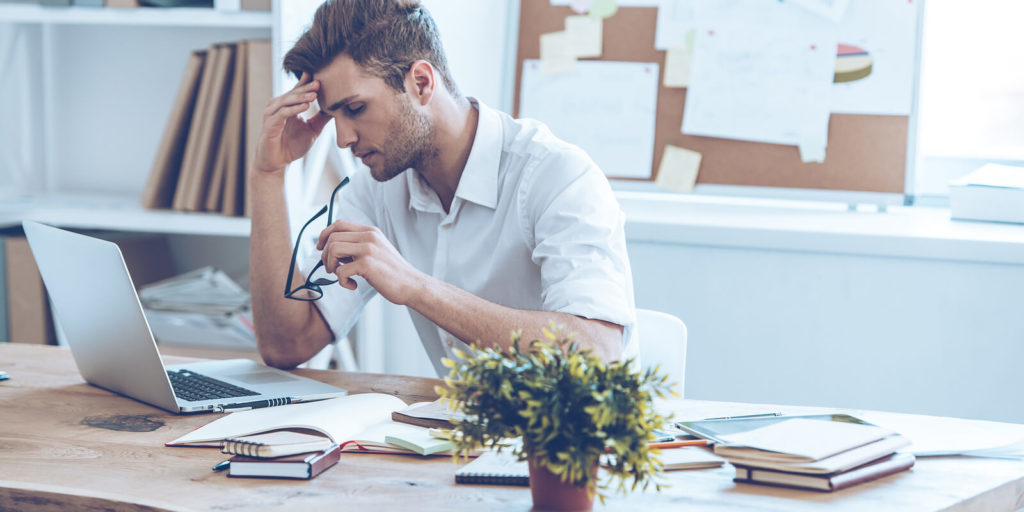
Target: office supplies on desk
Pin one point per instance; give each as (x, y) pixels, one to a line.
(814, 445)
(885, 466)
(301, 466)
(496, 468)
(799, 440)
(275, 444)
(679, 444)
(110, 339)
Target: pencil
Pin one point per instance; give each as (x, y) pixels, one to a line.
(678, 444)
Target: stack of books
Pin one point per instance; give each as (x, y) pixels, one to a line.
(212, 130)
(992, 193)
(814, 454)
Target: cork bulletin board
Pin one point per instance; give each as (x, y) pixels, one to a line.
(866, 153)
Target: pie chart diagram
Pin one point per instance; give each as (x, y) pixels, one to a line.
(852, 63)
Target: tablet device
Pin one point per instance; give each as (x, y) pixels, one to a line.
(712, 429)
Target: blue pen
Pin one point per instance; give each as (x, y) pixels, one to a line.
(222, 465)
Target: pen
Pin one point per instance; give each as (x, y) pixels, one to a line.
(245, 406)
(679, 444)
(222, 465)
(4, 376)
(762, 415)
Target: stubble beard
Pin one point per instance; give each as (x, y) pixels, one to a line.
(411, 140)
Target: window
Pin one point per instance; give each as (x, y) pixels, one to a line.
(971, 92)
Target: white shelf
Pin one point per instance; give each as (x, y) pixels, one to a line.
(142, 16)
(902, 232)
(116, 213)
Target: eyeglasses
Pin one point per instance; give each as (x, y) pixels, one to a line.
(317, 277)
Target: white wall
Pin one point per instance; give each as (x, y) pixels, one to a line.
(923, 336)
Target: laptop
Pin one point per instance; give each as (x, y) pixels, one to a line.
(95, 303)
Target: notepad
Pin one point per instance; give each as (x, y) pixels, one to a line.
(496, 469)
(276, 444)
(420, 441)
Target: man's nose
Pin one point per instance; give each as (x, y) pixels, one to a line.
(346, 134)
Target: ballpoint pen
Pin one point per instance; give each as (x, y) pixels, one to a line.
(222, 465)
(745, 416)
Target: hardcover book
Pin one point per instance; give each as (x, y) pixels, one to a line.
(301, 466)
(832, 482)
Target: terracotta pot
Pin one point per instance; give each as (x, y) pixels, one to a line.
(551, 493)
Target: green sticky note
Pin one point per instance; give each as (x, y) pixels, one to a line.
(603, 8)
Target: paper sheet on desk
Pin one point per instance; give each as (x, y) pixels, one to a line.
(956, 437)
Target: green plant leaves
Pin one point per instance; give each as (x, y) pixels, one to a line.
(569, 407)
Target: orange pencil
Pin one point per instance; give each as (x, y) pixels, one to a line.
(677, 444)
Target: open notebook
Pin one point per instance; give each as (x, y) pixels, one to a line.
(358, 422)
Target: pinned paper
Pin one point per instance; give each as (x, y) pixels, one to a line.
(584, 35)
(678, 169)
(812, 149)
(580, 6)
(556, 56)
(677, 67)
(603, 8)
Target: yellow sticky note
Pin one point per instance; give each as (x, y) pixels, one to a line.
(556, 55)
(603, 8)
(584, 35)
(677, 67)
(678, 169)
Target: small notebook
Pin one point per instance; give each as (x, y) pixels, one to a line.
(427, 414)
(276, 444)
(496, 469)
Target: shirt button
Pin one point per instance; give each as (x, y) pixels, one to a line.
(450, 342)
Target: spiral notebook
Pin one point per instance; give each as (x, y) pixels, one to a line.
(494, 468)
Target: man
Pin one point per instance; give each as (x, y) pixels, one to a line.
(480, 224)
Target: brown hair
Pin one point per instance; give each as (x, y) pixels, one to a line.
(384, 37)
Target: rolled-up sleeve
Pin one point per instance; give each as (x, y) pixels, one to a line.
(579, 242)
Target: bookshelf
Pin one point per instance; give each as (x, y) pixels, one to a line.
(90, 99)
(183, 17)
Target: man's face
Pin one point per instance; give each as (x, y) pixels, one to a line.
(382, 126)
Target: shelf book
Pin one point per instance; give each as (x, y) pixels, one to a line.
(212, 129)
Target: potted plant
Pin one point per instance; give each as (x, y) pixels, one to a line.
(571, 410)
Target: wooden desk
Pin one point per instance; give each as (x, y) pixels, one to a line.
(66, 445)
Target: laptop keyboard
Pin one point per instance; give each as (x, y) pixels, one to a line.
(195, 387)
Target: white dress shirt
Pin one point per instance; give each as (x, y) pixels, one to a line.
(533, 225)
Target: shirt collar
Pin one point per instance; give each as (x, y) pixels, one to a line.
(479, 181)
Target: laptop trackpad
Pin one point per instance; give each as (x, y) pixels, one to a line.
(263, 377)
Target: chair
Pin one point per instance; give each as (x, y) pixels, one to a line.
(663, 343)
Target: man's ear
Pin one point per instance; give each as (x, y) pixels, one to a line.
(421, 81)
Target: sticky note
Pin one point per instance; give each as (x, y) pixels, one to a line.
(580, 6)
(677, 67)
(603, 8)
(812, 149)
(556, 55)
(584, 35)
(678, 169)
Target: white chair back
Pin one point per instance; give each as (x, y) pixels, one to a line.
(663, 343)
